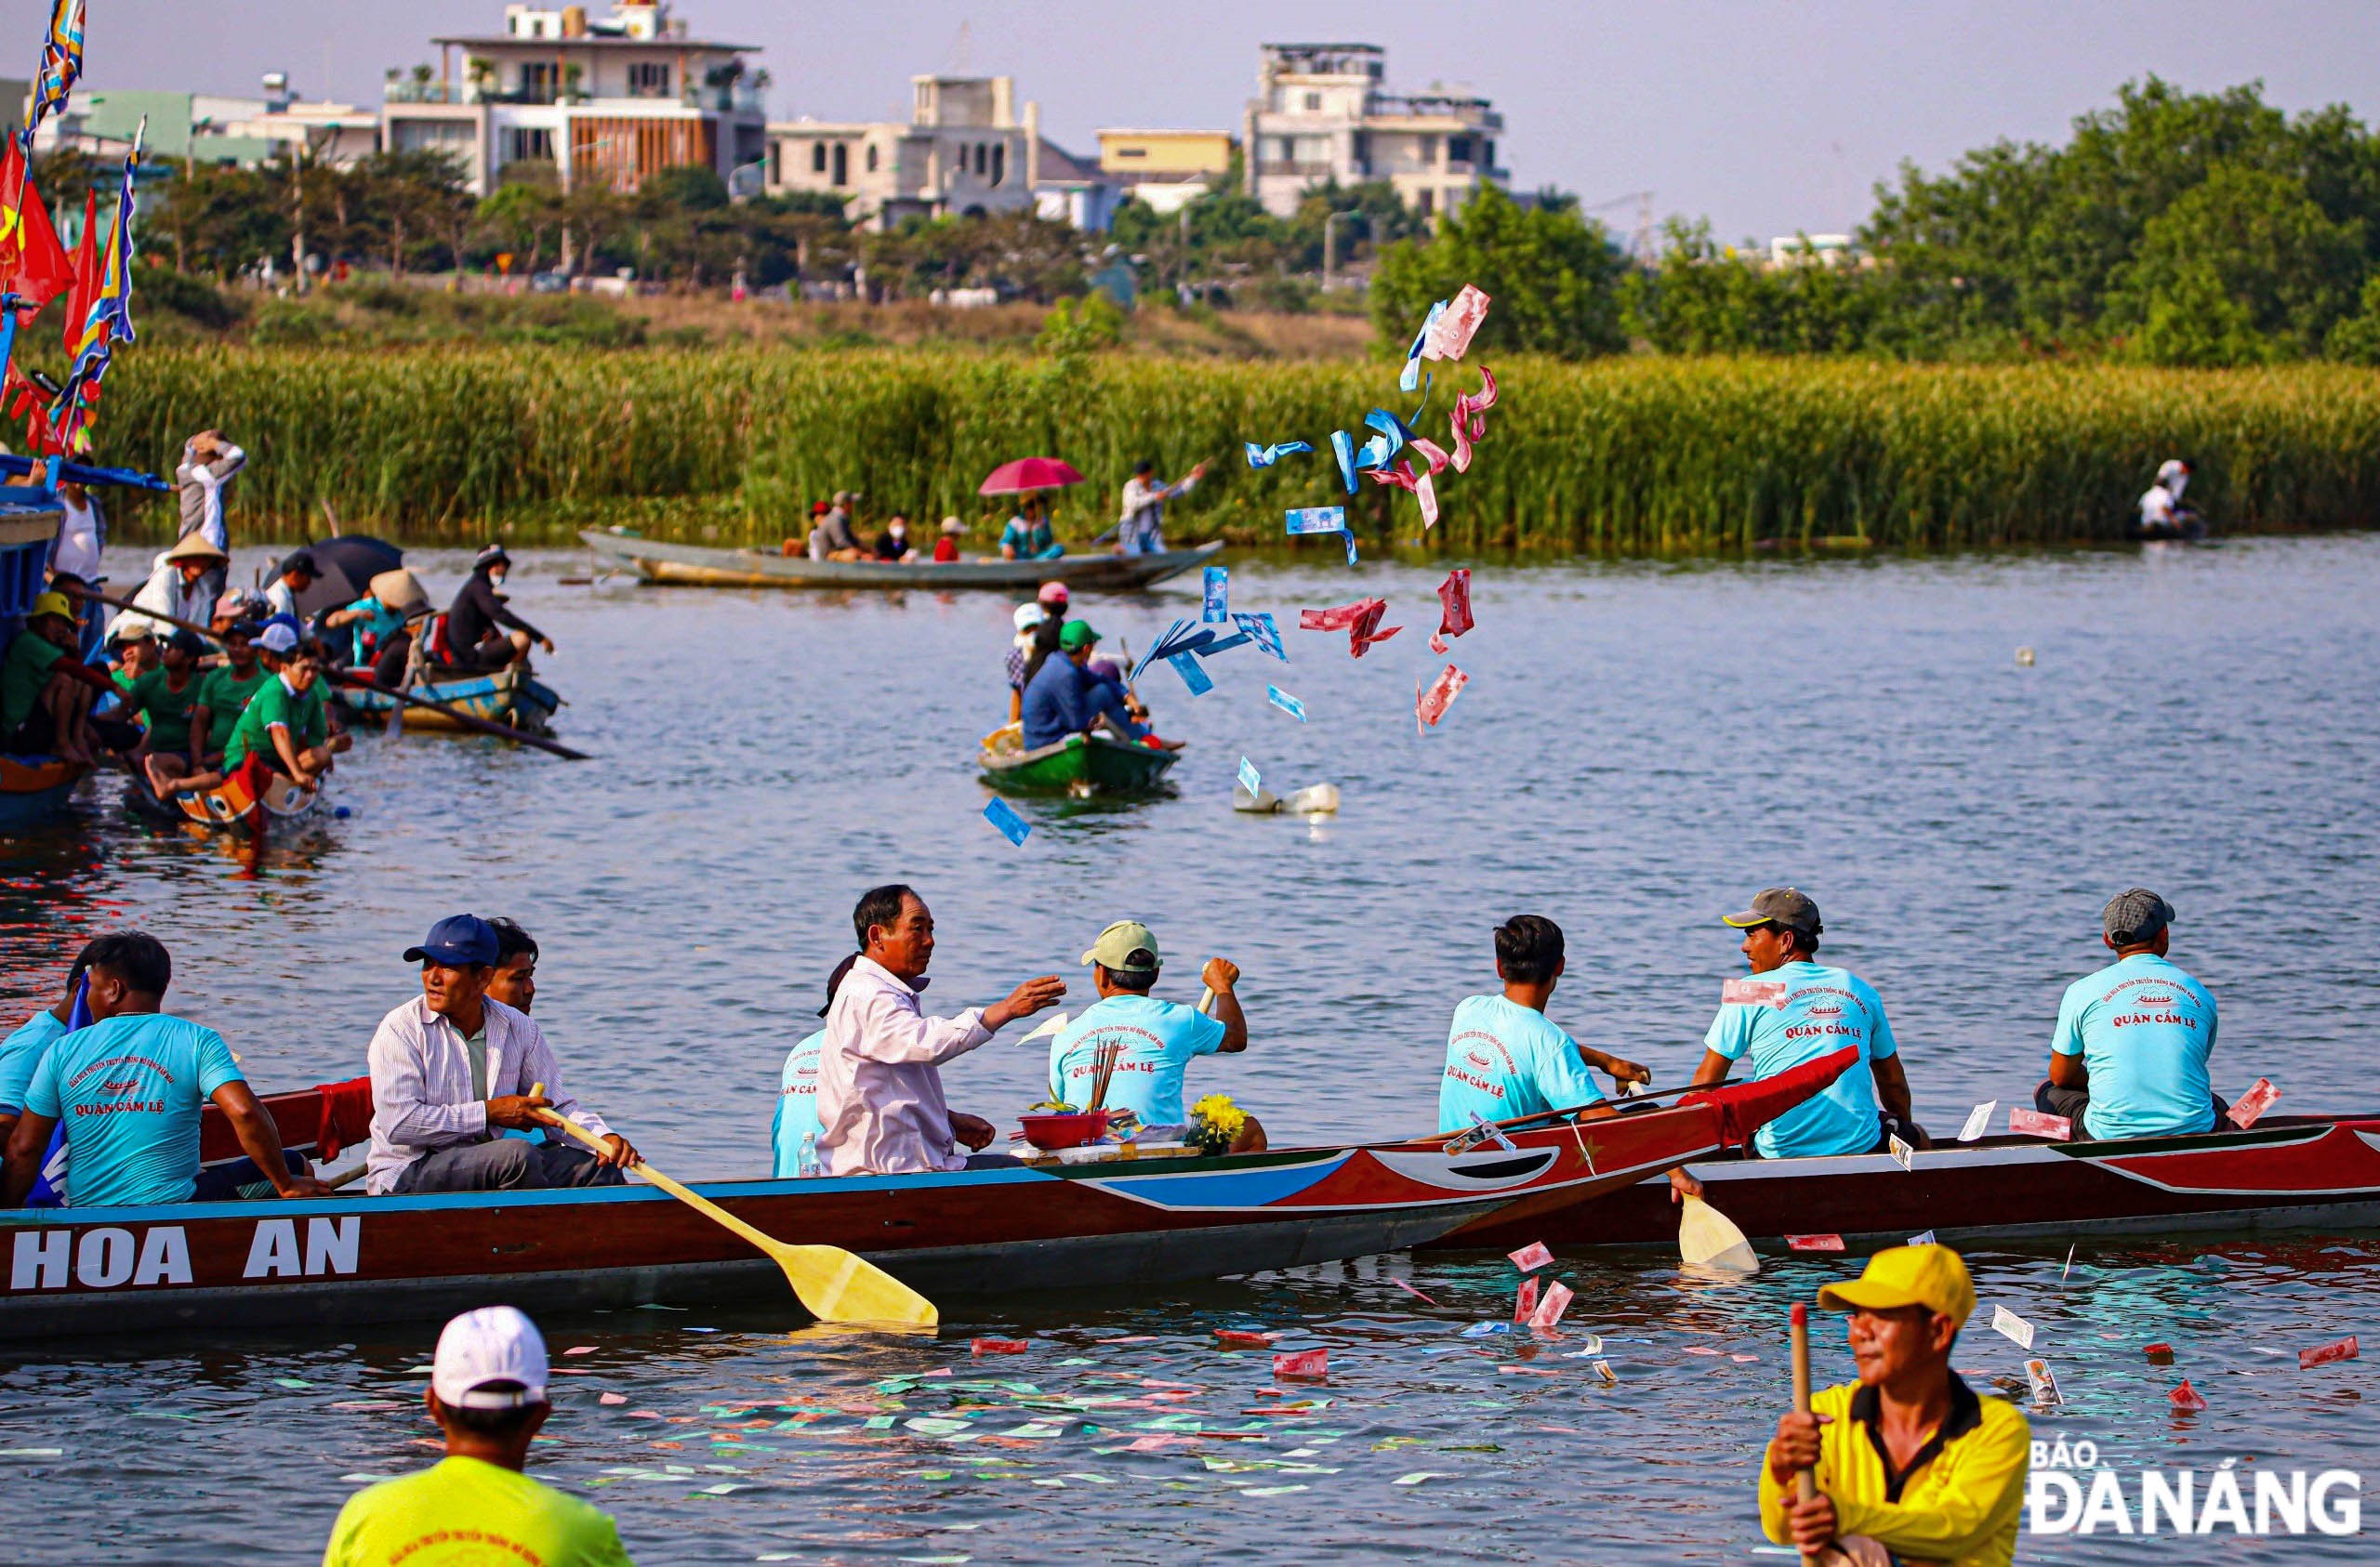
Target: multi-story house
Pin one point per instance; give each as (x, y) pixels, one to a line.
(1322, 113)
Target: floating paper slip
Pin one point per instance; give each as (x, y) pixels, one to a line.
(1260, 631)
(2033, 1124)
(1304, 1364)
(2326, 1354)
(1218, 610)
(1285, 702)
(2254, 1103)
(1249, 778)
(999, 1346)
(1486, 1330)
(1902, 1154)
(1449, 332)
(2159, 1354)
(1318, 519)
(1243, 1339)
(1410, 377)
(1012, 826)
(1531, 1257)
(1924, 1238)
(1557, 1300)
(1193, 673)
(1979, 1120)
(1526, 1303)
(1343, 446)
(1604, 1372)
(2185, 1397)
(1430, 705)
(1411, 1290)
(1265, 456)
(2044, 1382)
(1815, 1242)
(1056, 1023)
(1454, 603)
(2010, 1324)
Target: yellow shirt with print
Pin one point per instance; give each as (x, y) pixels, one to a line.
(1960, 1505)
(464, 1513)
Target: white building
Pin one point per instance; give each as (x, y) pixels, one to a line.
(966, 149)
(614, 100)
(1322, 113)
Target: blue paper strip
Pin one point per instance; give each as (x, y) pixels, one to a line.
(1411, 377)
(1266, 634)
(1218, 608)
(1387, 444)
(1285, 702)
(1191, 674)
(1249, 778)
(1343, 446)
(1318, 519)
(1208, 646)
(1012, 826)
(1265, 456)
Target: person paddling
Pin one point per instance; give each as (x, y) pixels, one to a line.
(487, 1393)
(2129, 1056)
(1909, 1460)
(1154, 1041)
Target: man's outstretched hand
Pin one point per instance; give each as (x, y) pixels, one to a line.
(1033, 996)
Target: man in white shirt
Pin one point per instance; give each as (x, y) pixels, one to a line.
(182, 584)
(881, 1106)
(208, 462)
(453, 1068)
(298, 573)
(2174, 475)
(1142, 532)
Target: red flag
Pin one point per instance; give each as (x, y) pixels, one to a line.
(86, 274)
(32, 261)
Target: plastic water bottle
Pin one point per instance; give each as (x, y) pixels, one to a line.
(809, 1162)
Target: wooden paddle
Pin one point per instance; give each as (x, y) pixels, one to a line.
(836, 1285)
(1805, 1484)
(471, 721)
(1707, 1238)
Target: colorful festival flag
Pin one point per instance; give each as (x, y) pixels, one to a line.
(107, 321)
(61, 67)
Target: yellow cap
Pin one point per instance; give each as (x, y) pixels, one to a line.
(1118, 942)
(1932, 1276)
(50, 604)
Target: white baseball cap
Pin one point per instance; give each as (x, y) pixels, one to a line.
(493, 1344)
(1029, 616)
(278, 638)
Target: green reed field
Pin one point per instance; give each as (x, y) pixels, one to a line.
(1633, 455)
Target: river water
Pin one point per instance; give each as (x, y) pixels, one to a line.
(1641, 747)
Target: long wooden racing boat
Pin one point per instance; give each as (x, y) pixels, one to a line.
(704, 566)
(505, 696)
(33, 789)
(2288, 1172)
(987, 1230)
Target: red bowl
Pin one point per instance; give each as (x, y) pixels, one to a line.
(1071, 1131)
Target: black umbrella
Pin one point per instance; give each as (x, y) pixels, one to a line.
(347, 564)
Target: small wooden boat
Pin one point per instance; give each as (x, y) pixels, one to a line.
(702, 566)
(34, 789)
(505, 696)
(2305, 1172)
(1078, 764)
(228, 806)
(987, 1230)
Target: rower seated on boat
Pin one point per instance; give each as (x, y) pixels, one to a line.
(1067, 698)
(893, 546)
(793, 1131)
(223, 694)
(880, 1103)
(487, 1393)
(284, 729)
(482, 634)
(1506, 1059)
(22, 1051)
(1911, 1464)
(163, 698)
(298, 572)
(454, 1069)
(1028, 535)
(46, 691)
(832, 539)
(1795, 1009)
(1153, 1042)
(2129, 1056)
(128, 1090)
(382, 625)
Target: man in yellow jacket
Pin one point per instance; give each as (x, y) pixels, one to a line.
(1912, 1465)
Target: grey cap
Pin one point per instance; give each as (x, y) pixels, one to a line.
(2135, 915)
(1779, 906)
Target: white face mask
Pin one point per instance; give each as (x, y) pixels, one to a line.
(899, 531)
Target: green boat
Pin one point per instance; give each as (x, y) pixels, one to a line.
(1076, 765)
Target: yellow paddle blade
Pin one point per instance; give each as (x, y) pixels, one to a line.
(1707, 1238)
(841, 1286)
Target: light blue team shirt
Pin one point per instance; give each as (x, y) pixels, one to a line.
(1505, 1060)
(1797, 1013)
(797, 1114)
(2144, 1030)
(20, 1052)
(1158, 1039)
(129, 1091)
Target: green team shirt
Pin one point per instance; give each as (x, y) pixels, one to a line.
(225, 695)
(301, 714)
(22, 675)
(167, 709)
(462, 1512)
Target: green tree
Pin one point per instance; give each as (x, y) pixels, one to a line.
(2254, 239)
(1554, 278)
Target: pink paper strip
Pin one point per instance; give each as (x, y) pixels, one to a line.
(1454, 603)
(1815, 1242)
(1558, 1296)
(1531, 1257)
(1526, 1302)
(1432, 704)
(2033, 1124)
(1305, 1363)
(2254, 1103)
(2325, 1354)
(1449, 335)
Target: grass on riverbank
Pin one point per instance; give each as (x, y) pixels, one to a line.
(1626, 456)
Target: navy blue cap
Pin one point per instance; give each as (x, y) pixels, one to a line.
(456, 940)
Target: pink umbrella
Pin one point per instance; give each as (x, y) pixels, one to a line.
(1027, 474)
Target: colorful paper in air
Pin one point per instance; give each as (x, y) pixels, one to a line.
(1411, 1290)
(1902, 1154)
(2326, 1354)
(1979, 1120)
(1318, 519)
(1266, 635)
(2254, 1103)
(1337, 618)
(1450, 331)
(1387, 444)
(1468, 420)
(1526, 1303)
(2044, 1382)
(1547, 1314)
(1343, 446)
(1285, 702)
(2010, 1325)
(1193, 673)
(1265, 456)
(1923, 1238)
(1012, 826)
(2185, 1397)
(1209, 644)
(1366, 631)
(1432, 705)
(2033, 1124)
(1531, 1257)
(1249, 778)
(1454, 603)
(1304, 1363)
(1218, 610)
(1410, 377)
(1815, 1242)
